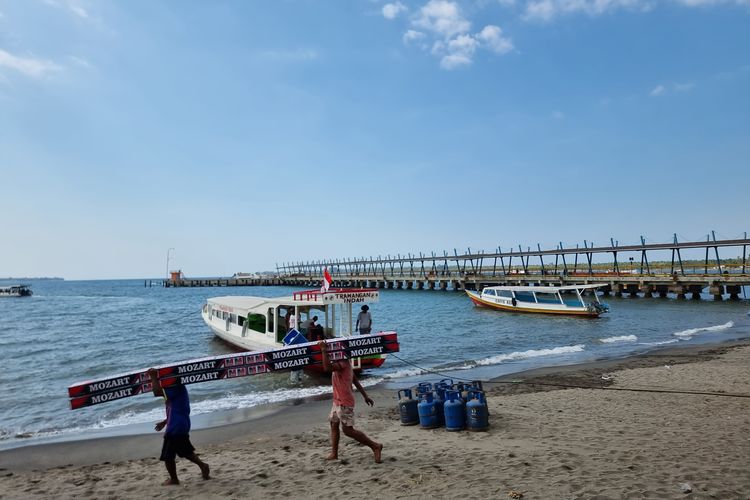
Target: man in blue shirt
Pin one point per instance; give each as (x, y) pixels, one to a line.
(177, 423)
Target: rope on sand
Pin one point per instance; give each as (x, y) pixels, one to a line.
(576, 386)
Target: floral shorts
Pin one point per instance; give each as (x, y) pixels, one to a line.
(343, 414)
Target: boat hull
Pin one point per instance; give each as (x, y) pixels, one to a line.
(522, 307)
(260, 342)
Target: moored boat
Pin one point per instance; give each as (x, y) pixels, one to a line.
(567, 299)
(16, 291)
(258, 323)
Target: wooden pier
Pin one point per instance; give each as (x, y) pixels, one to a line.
(646, 285)
(634, 275)
(204, 282)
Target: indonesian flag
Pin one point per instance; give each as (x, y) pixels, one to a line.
(327, 280)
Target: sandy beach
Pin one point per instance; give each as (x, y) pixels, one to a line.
(544, 442)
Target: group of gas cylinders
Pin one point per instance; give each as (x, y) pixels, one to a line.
(456, 406)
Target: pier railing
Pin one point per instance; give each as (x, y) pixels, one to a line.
(636, 273)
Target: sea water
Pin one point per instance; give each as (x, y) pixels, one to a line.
(71, 331)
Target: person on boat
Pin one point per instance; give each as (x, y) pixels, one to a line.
(315, 331)
(291, 319)
(364, 321)
(176, 437)
(309, 328)
(342, 411)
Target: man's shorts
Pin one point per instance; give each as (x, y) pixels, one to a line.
(178, 445)
(365, 331)
(343, 414)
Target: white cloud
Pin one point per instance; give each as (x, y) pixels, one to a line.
(440, 27)
(657, 91)
(79, 11)
(392, 10)
(442, 17)
(683, 87)
(708, 3)
(454, 61)
(71, 6)
(80, 62)
(35, 68)
(547, 10)
(492, 37)
(413, 36)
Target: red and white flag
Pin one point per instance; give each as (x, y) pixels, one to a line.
(327, 280)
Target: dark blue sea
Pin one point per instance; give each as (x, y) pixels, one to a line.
(70, 331)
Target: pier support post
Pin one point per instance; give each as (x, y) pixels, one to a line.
(734, 292)
(420, 285)
(647, 290)
(431, 285)
(717, 291)
(617, 289)
(444, 285)
(679, 290)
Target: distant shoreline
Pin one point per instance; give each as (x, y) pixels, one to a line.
(42, 278)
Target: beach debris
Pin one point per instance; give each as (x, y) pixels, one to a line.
(686, 488)
(515, 494)
(667, 366)
(607, 376)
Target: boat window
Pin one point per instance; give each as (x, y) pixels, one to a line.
(256, 322)
(240, 320)
(270, 320)
(525, 297)
(505, 293)
(547, 298)
(233, 318)
(489, 292)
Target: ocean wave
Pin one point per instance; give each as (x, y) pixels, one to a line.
(621, 338)
(686, 334)
(532, 353)
(406, 372)
(671, 341)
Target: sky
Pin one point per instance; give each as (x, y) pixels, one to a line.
(246, 134)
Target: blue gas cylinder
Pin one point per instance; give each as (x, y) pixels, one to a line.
(454, 410)
(463, 389)
(423, 388)
(439, 392)
(428, 417)
(407, 408)
(477, 416)
(448, 382)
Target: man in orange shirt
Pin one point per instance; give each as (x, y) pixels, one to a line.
(342, 412)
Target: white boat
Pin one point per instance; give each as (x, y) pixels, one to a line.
(541, 299)
(16, 291)
(259, 323)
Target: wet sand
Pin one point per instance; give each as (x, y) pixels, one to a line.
(544, 441)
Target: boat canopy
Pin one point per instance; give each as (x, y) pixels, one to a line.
(543, 289)
(311, 298)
